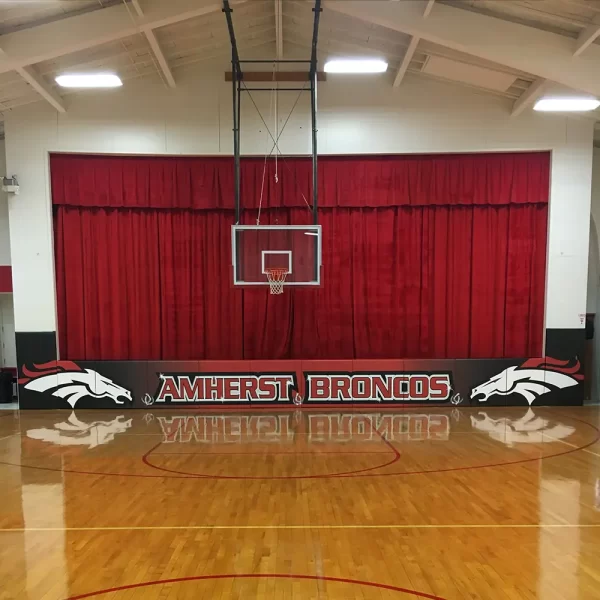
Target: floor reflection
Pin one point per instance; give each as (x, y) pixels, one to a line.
(527, 429)
(320, 427)
(519, 427)
(75, 432)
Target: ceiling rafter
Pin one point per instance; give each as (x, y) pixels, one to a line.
(410, 51)
(408, 56)
(156, 49)
(587, 36)
(493, 39)
(36, 81)
(529, 97)
(31, 46)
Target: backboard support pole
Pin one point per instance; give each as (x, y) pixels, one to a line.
(236, 69)
(313, 107)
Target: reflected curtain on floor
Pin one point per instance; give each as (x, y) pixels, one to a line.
(439, 256)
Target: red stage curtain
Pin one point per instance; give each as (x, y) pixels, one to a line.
(424, 256)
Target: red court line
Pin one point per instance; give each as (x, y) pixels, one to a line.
(395, 452)
(310, 453)
(357, 582)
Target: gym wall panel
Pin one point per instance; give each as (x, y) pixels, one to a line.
(424, 116)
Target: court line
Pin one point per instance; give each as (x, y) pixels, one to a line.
(6, 437)
(356, 472)
(306, 527)
(315, 452)
(570, 444)
(344, 580)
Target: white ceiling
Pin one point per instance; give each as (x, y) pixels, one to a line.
(510, 48)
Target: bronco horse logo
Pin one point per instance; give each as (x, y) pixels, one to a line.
(532, 379)
(68, 380)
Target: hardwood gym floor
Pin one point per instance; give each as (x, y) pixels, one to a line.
(498, 503)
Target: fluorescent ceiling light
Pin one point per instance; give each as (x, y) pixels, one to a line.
(567, 104)
(356, 65)
(89, 80)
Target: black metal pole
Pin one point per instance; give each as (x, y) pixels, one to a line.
(277, 60)
(239, 145)
(237, 76)
(278, 89)
(236, 142)
(313, 108)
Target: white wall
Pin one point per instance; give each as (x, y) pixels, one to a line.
(422, 116)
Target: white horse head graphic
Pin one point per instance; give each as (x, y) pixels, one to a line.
(67, 380)
(532, 379)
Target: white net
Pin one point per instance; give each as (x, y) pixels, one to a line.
(276, 279)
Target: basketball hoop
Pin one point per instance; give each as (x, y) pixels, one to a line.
(276, 277)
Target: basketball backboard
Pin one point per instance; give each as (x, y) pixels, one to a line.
(296, 248)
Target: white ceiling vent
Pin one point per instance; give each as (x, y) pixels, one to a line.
(469, 74)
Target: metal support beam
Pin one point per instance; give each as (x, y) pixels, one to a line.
(278, 76)
(254, 89)
(41, 87)
(236, 85)
(156, 49)
(313, 107)
(528, 98)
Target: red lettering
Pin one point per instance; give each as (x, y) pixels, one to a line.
(439, 387)
(319, 387)
(419, 387)
(213, 388)
(231, 386)
(267, 389)
(340, 388)
(361, 387)
(401, 384)
(248, 387)
(384, 387)
(169, 389)
(191, 391)
(283, 384)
